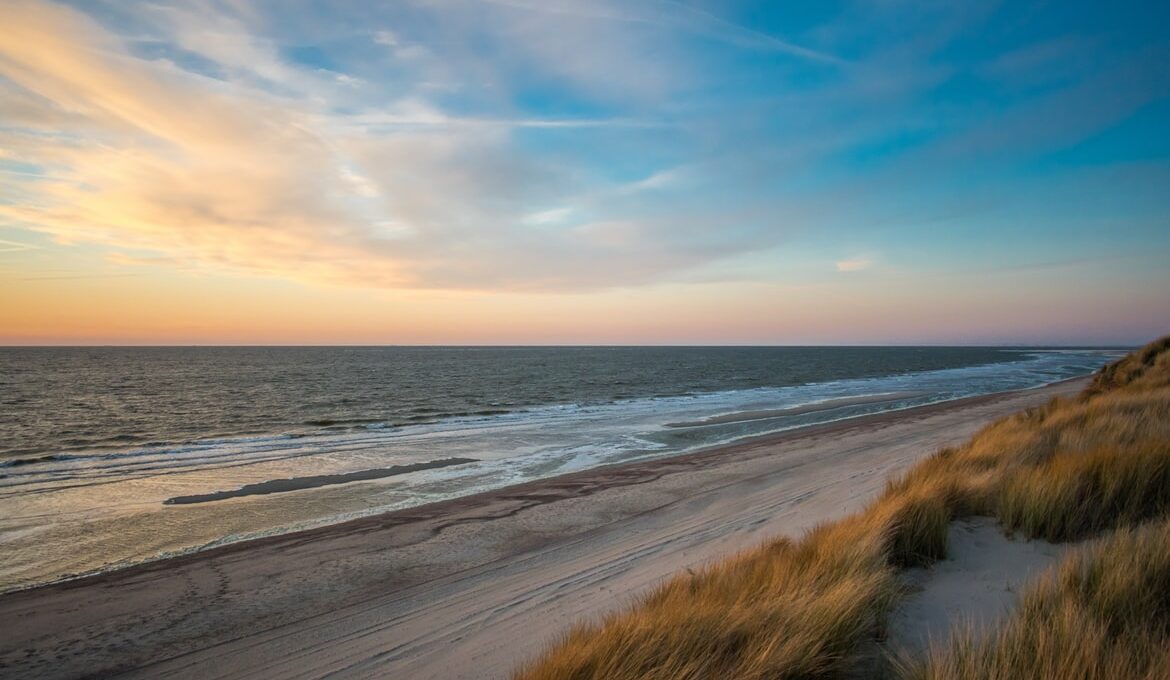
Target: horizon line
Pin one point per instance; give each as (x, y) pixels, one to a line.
(1005, 345)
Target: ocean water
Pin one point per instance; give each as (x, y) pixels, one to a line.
(112, 456)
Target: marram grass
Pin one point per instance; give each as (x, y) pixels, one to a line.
(808, 608)
(1104, 614)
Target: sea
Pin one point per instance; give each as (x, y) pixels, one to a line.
(113, 456)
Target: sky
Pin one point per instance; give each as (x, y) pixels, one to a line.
(584, 172)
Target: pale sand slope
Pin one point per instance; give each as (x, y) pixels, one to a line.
(975, 588)
(468, 588)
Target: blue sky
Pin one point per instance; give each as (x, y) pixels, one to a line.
(988, 159)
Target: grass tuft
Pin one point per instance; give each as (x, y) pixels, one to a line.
(919, 530)
(1076, 495)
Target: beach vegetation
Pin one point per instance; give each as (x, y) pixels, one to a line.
(815, 607)
(1104, 614)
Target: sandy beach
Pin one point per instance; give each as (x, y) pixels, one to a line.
(471, 587)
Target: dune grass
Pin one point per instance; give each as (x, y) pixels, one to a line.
(1103, 615)
(785, 610)
(1077, 495)
(807, 608)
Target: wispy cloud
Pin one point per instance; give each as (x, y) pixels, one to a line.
(386, 37)
(250, 174)
(854, 264)
(672, 15)
(551, 216)
(507, 145)
(15, 246)
(415, 114)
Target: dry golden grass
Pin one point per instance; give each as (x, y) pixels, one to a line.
(803, 609)
(1062, 472)
(1147, 368)
(1104, 615)
(1076, 495)
(786, 610)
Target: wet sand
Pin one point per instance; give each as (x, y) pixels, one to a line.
(315, 481)
(827, 405)
(468, 588)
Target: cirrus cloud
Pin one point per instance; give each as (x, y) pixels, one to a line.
(854, 264)
(266, 167)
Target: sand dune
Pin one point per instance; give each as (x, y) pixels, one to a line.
(467, 588)
(975, 588)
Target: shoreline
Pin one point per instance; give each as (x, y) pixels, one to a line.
(412, 513)
(471, 586)
(815, 407)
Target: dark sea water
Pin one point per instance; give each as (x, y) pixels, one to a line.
(110, 456)
(60, 400)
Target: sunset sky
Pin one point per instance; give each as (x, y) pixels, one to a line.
(584, 172)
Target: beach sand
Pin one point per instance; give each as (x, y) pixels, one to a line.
(468, 588)
(975, 589)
